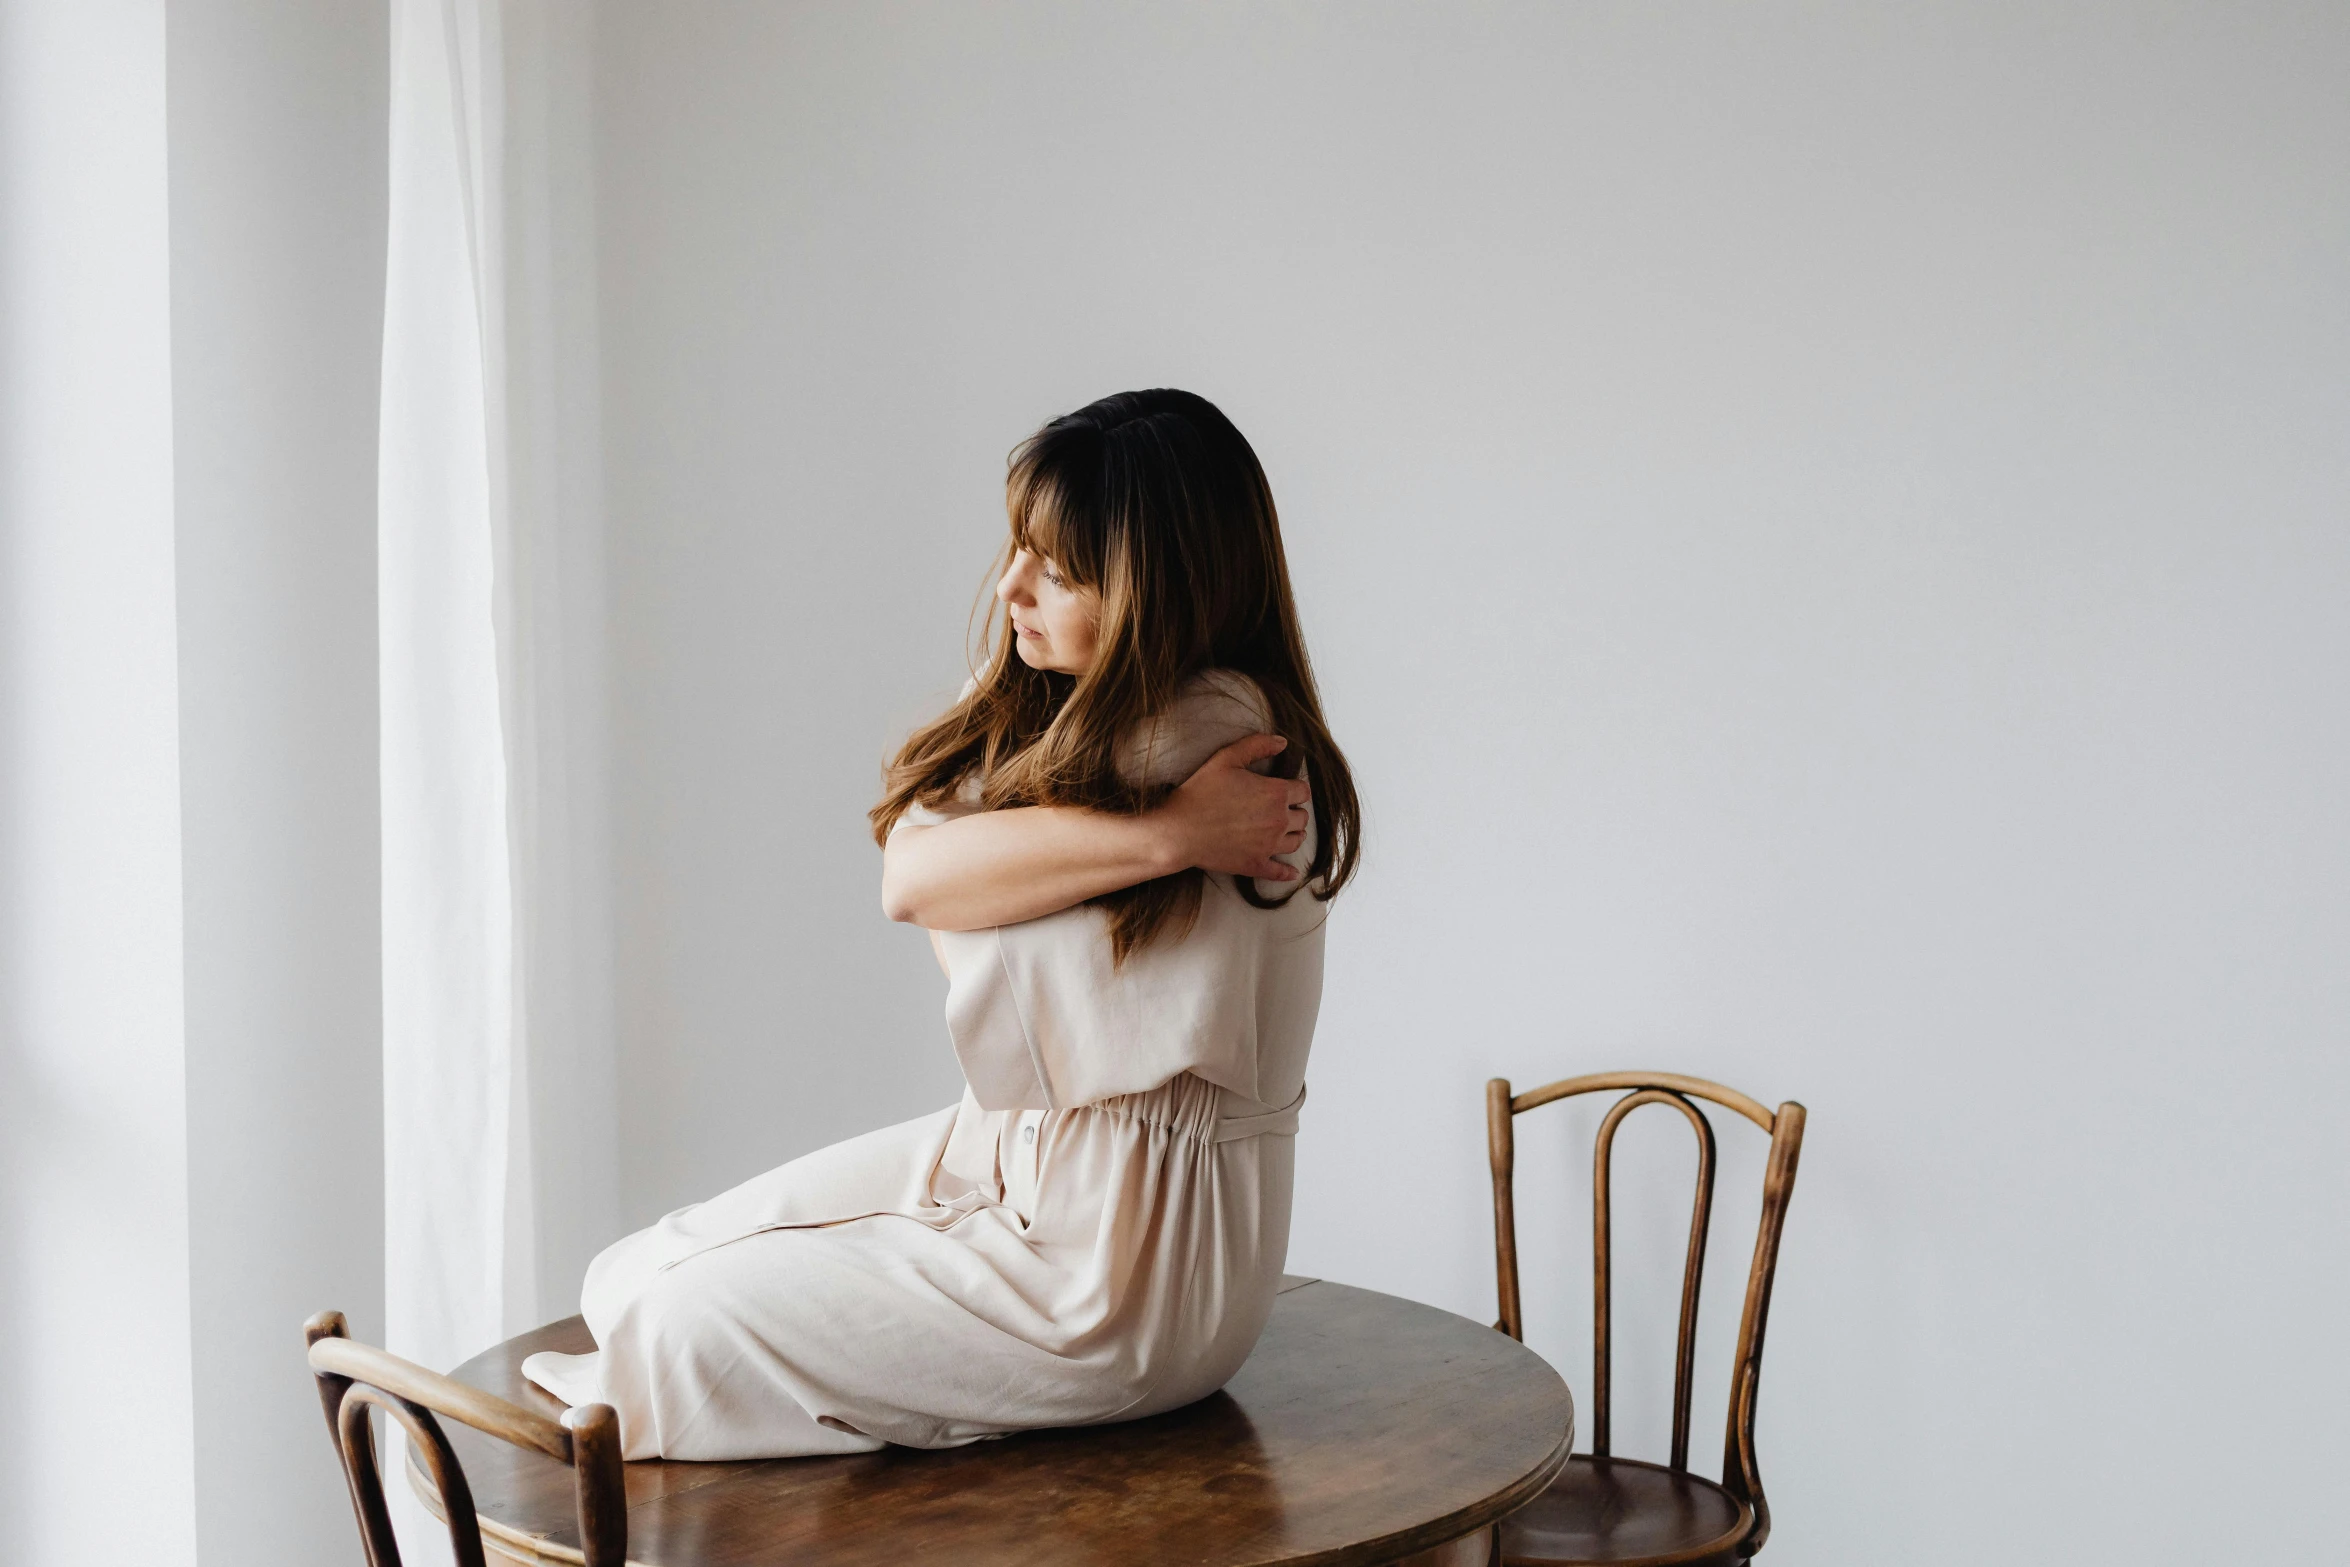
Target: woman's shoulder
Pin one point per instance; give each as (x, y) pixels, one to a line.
(1214, 708)
(1226, 696)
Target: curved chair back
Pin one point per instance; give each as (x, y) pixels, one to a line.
(1741, 1476)
(356, 1379)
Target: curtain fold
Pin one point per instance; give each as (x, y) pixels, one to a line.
(500, 1179)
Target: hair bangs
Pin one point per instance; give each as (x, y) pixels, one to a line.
(1051, 514)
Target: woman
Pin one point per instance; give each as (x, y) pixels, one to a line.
(1121, 838)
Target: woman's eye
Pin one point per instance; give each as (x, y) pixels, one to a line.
(1055, 578)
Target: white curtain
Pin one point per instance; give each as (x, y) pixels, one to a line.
(500, 1176)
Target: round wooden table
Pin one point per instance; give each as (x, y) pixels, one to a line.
(1364, 1430)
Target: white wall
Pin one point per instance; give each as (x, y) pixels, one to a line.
(277, 128)
(93, 1147)
(1823, 531)
(191, 255)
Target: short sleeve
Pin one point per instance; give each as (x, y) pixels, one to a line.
(1214, 710)
(962, 802)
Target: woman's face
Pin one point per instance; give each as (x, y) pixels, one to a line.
(1054, 622)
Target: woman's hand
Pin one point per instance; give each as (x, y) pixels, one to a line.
(1229, 819)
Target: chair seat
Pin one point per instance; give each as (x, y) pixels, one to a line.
(1625, 1511)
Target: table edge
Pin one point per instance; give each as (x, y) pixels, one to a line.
(1454, 1526)
(538, 1549)
(541, 1549)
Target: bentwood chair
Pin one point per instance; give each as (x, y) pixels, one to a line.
(1621, 1510)
(354, 1379)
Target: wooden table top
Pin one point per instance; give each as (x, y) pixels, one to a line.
(1364, 1428)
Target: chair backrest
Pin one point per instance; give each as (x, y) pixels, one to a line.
(355, 1379)
(1741, 1476)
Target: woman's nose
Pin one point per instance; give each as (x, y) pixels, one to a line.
(1012, 587)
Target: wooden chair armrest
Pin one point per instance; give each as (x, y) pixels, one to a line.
(485, 1412)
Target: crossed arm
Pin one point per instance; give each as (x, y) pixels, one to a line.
(1002, 867)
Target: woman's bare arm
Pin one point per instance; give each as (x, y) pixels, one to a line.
(1001, 867)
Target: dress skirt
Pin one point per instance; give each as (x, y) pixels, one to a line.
(950, 1278)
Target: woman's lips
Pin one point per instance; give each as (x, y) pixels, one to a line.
(1034, 636)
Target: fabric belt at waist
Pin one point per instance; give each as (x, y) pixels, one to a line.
(1268, 1123)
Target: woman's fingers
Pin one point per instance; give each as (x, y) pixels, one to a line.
(1234, 819)
(1247, 749)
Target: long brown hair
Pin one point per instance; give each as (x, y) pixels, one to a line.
(1157, 503)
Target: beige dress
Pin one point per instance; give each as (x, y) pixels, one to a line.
(1094, 1234)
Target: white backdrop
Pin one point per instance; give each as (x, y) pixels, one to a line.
(277, 149)
(1824, 532)
(94, 1071)
(191, 298)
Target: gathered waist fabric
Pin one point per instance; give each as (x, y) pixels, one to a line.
(1193, 1107)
